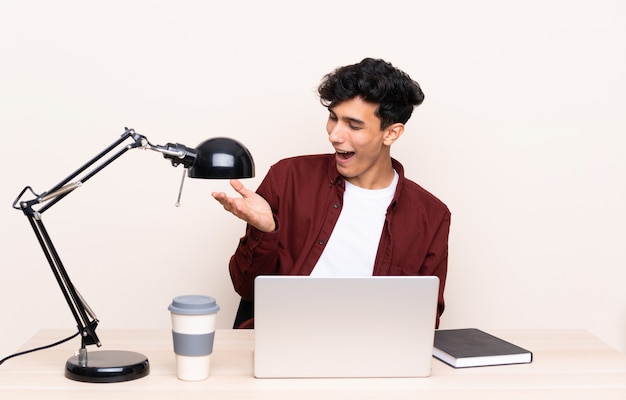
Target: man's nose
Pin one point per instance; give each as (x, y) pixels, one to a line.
(335, 133)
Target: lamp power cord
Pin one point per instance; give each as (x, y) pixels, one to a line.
(39, 348)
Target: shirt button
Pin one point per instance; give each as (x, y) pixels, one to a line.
(336, 205)
(321, 242)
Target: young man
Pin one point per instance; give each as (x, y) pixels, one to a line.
(350, 213)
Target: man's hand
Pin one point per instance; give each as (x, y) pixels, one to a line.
(251, 207)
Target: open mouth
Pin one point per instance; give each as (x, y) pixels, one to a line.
(344, 155)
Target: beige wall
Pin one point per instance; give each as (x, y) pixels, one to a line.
(522, 134)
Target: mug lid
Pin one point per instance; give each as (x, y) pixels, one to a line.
(194, 305)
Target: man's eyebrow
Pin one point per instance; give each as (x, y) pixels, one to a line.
(354, 120)
(349, 119)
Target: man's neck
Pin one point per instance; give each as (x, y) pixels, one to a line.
(382, 179)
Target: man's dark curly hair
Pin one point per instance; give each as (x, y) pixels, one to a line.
(375, 81)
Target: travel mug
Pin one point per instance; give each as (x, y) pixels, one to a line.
(193, 331)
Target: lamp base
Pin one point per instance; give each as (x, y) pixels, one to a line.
(108, 366)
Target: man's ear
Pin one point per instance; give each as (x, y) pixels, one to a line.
(393, 132)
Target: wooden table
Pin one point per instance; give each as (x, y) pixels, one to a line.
(568, 364)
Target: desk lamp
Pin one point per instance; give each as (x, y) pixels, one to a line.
(217, 158)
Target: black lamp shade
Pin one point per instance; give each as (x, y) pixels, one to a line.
(222, 158)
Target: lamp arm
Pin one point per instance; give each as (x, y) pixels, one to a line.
(85, 318)
(63, 188)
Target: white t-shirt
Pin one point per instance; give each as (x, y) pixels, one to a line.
(352, 246)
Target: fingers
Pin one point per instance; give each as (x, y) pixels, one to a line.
(223, 197)
(232, 204)
(239, 188)
(219, 196)
(236, 184)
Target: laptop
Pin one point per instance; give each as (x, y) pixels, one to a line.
(348, 327)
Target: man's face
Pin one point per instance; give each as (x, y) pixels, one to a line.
(362, 148)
